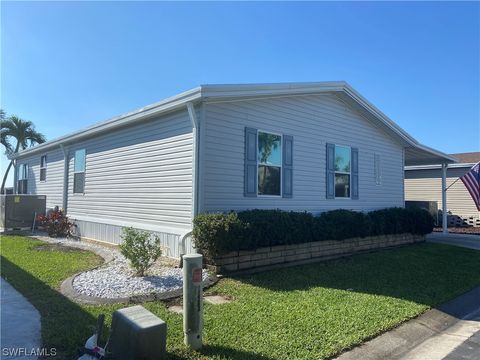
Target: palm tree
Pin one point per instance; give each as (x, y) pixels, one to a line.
(23, 132)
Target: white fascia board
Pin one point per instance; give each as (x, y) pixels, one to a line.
(260, 90)
(355, 95)
(448, 158)
(166, 105)
(438, 166)
(393, 126)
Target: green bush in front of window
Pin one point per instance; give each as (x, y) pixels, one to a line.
(218, 234)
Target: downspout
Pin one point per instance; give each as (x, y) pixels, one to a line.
(15, 176)
(65, 178)
(195, 142)
(195, 133)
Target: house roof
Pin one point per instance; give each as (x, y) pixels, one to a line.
(415, 153)
(468, 157)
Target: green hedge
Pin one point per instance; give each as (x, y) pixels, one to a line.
(217, 234)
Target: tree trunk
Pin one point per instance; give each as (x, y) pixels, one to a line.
(2, 190)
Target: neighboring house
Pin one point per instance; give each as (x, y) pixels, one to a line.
(424, 183)
(303, 147)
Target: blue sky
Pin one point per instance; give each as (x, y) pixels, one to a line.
(67, 65)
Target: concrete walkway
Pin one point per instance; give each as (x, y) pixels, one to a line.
(452, 332)
(468, 241)
(20, 325)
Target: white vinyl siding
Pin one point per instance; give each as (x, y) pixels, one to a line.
(426, 185)
(137, 175)
(313, 120)
(53, 187)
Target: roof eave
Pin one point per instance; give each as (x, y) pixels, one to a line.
(170, 104)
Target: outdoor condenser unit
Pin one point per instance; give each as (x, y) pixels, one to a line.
(18, 211)
(430, 206)
(137, 334)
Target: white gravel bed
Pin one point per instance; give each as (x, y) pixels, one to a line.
(116, 279)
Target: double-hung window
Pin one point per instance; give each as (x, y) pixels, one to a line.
(22, 176)
(43, 168)
(343, 168)
(79, 171)
(269, 164)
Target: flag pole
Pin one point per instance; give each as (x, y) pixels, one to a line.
(449, 186)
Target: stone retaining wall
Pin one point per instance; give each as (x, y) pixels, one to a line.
(307, 252)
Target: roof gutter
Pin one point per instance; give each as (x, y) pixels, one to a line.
(65, 179)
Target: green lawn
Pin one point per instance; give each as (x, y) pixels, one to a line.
(305, 312)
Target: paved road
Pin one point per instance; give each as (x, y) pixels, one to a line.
(20, 325)
(468, 241)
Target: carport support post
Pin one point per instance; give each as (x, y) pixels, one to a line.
(192, 300)
(444, 199)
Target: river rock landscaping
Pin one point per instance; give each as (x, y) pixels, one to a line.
(115, 279)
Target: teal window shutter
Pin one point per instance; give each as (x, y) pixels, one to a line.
(250, 162)
(287, 166)
(330, 172)
(354, 174)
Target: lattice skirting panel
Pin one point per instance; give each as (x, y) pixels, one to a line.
(464, 220)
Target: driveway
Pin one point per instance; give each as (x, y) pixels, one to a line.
(468, 241)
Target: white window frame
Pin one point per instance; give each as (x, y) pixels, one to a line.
(344, 173)
(280, 166)
(22, 175)
(44, 167)
(79, 172)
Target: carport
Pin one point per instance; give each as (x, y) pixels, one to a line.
(421, 155)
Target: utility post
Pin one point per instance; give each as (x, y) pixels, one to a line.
(192, 300)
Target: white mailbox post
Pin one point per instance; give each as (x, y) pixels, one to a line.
(192, 300)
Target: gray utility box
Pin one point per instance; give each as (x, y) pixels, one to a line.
(18, 211)
(137, 334)
(430, 206)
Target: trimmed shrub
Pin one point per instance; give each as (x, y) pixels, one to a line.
(56, 224)
(341, 224)
(275, 227)
(217, 234)
(141, 248)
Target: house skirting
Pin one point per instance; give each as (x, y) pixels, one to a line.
(275, 256)
(463, 220)
(111, 234)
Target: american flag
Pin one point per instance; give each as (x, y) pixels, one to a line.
(471, 181)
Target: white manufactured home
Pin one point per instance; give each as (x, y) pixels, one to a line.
(294, 146)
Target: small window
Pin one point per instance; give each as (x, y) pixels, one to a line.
(343, 156)
(269, 162)
(43, 168)
(378, 170)
(79, 172)
(22, 179)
